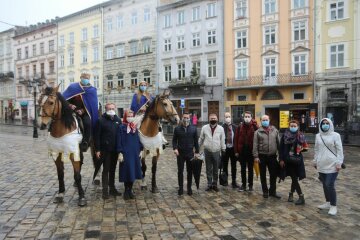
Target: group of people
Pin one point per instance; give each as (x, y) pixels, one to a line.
(249, 143)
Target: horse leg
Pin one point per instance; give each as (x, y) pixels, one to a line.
(143, 169)
(60, 172)
(81, 163)
(154, 188)
(77, 176)
(94, 159)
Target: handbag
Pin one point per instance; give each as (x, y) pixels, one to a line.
(223, 178)
(294, 159)
(343, 166)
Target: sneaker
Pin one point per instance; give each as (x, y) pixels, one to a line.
(189, 192)
(242, 188)
(324, 206)
(333, 210)
(114, 192)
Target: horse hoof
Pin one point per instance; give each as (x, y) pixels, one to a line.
(82, 202)
(143, 187)
(96, 182)
(58, 200)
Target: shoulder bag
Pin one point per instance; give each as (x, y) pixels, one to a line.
(343, 164)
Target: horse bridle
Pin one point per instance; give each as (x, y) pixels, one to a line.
(168, 115)
(52, 116)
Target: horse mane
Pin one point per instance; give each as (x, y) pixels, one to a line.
(66, 112)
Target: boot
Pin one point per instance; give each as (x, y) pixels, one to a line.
(291, 197)
(131, 193)
(301, 200)
(114, 192)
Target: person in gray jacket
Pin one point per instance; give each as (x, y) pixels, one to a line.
(212, 136)
(265, 149)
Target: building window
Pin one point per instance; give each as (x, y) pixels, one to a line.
(62, 40)
(167, 70)
(337, 53)
(109, 53)
(109, 24)
(167, 20)
(34, 50)
(241, 69)
(147, 76)
(133, 48)
(71, 58)
(146, 14)
(167, 45)
(270, 67)
(19, 70)
(180, 42)
(34, 69)
(62, 60)
(269, 6)
(299, 64)
(84, 55)
(299, 30)
(110, 84)
(196, 65)
(270, 37)
(96, 53)
(134, 18)
(134, 81)
(337, 10)
(42, 70)
(298, 4)
(241, 8)
(84, 34)
(18, 53)
(26, 52)
(51, 46)
(195, 14)
(27, 72)
(95, 31)
(52, 67)
(146, 45)
(241, 98)
(120, 83)
(181, 71)
(196, 40)
(211, 10)
(241, 39)
(212, 68)
(42, 48)
(71, 38)
(120, 22)
(96, 81)
(120, 50)
(211, 37)
(19, 91)
(299, 96)
(180, 17)
(272, 94)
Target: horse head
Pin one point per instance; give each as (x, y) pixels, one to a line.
(49, 105)
(165, 109)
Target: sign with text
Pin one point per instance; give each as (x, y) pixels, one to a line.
(284, 119)
(182, 103)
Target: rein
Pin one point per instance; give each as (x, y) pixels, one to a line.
(52, 116)
(156, 117)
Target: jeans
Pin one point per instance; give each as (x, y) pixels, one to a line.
(180, 163)
(328, 181)
(212, 160)
(229, 153)
(109, 167)
(246, 158)
(271, 163)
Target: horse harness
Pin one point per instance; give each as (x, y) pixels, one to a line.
(43, 101)
(154, 116)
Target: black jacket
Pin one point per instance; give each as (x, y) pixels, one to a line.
(185, 139)
(105, 133)
(226, 127)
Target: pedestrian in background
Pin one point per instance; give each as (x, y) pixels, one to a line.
(244, 139)
(212, 136)
(327, 160)
(265, 148)
(105, 148)
(292, 143)
(229, 130)
(185, 142)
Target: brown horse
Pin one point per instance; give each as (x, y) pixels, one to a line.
(64, 138)
(160, 108)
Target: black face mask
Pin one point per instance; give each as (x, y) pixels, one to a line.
(213, 122)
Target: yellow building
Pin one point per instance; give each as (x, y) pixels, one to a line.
(80, 44)
(268, 63)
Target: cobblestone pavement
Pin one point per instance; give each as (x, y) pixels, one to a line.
(28, 183)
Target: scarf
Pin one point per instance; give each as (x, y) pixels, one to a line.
(130, 126)
(298, 137)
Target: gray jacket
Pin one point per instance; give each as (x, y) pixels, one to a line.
(267, 144)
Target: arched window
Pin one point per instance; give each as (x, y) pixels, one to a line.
(272, 94)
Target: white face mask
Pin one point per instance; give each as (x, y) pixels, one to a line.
(110, 113)
(247, 119)
(130, 119)
(228, 120)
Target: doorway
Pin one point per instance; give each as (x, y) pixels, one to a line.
(274, 115)
(213, 107)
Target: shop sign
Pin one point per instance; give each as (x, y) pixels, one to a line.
(284, 119)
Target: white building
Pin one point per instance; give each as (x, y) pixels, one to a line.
(190, 42)
(36, 53)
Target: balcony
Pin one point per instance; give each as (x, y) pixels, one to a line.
(6, 76)
(187, 85)
(270, 81)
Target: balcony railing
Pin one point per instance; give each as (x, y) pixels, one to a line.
(277, 80)
(6, 75)
(186, 81)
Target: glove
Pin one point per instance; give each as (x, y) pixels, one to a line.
(120, 158)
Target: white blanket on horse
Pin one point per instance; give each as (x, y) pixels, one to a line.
(66, 145)
(151, 144)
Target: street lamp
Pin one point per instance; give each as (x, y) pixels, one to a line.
(33, 86)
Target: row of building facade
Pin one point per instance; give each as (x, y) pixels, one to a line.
(299, 59)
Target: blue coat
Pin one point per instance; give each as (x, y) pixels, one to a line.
(135, 105)
(130, 146)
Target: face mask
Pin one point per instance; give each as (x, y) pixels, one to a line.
(142, 88)
(85, 81)
(247, 119)
(213, 122)
(186, 122)
(265, 123)
(325, 127)
(130, 119)
(293, 129)
(110, 113)
(228, 120)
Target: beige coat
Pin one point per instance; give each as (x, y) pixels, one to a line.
(267, 144)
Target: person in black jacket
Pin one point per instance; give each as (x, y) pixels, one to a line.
(184, 141)
(105, 148)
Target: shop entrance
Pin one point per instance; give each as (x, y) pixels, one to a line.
(274, 115)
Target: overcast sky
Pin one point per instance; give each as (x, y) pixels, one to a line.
(27, 12)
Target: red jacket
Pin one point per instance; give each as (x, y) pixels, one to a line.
(245, 131)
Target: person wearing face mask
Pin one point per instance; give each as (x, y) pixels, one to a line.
(141, 98)
(105, 148)
(327, 160)
(229, 129)
(212, 136)
(185, 142)
(82, 98)
(293, 142)
(243, 149)
(129, 145)
(265, 147)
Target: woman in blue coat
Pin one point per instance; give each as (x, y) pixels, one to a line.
(129, 145)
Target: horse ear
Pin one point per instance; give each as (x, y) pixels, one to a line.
(166, 93)
(56, 89)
